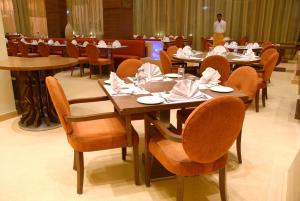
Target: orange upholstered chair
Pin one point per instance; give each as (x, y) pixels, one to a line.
(205, 44)
(13, 49)
(203, 146)
(128, 68)
(90, 132)
(166, 62)
(266, 44)
(268, 67)
(25, 50)
(243, 79)
(179, 42)
(218, 63)
(73, 52)
(94, 60)
(171, 50)
(43, 49)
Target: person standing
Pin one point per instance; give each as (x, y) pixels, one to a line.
(219, 30)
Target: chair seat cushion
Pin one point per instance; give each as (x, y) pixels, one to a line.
(104, 61)
(173, 157)
(99, 135)
(123, 56)
(83, 60)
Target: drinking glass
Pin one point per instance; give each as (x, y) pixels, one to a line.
(181, 72)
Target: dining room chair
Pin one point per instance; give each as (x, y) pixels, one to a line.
(95, 61)
(166, 63)
(13, 49)
(171, 50)
(243, 41)
(92, 132)
(24, 50)
(73, 52)
(205, 44)
(43, 50)
(264, 78)
(128, 68)
(179, 42)
(202, 148)
(266, 44)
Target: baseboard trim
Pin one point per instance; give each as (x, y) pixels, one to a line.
(8, 115)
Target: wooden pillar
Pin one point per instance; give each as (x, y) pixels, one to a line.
(56, 11)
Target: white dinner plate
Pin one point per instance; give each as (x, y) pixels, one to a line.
(221, 89)
(107, 81)
(173, 75)
(150, 100)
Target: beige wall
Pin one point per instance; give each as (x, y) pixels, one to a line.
(7, 103)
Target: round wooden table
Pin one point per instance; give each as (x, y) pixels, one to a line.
(32, 99)
(231, 57)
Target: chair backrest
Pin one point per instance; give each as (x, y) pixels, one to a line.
(23, 49)
(72, 50)
(172, 50)
(128, 68)
(165, 61)
(218, 63)
(266, 54)
(43, 50)
(60, 102)
(244, 79)
(243, 41)
(179, 42)
(93, 54)
(13, 48)
(269, 66)
(266, 44)
(205, 44)
(212, 128)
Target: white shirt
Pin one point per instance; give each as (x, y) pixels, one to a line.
(219, 27)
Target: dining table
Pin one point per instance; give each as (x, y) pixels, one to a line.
(127, 106)
(232, 57)
(31, 95)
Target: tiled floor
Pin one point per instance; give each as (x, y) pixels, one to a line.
(38, 166)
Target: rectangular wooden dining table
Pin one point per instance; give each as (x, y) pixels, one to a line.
(128, 107)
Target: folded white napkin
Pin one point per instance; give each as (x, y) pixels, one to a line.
(226, 44)
(220, 49)
(184, 90)
(102, 43)
(249, 46)
(185, 52)
(50, 42)
(116, 44)
(144, 37)
(210, 76)
(41, 41)
(56, 43)
(255, 45)
(150, 70)
(85, 43)
(23, 40)
(74, 42)
(249, 54)
(166, 39)
(116, 82)
(135, 36)
(152, 37)
(34, 42)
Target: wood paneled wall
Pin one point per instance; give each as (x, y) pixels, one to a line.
(56, 11)
(118, 18)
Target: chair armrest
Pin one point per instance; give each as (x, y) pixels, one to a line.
(88, 100)
(90, 117)
(165, 131)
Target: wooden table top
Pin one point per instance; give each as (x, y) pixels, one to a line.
(127, 105)
(37, 63)
(230, 57)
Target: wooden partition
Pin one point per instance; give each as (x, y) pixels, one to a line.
(118, 18)
(56, 11)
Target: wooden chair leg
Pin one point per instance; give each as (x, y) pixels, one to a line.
(257, 100)
(238, 147)
(179, 188)
(179, 124)
(74, 161)
(124, 152)
(100, 71)
(222, 184)
(263, 97)
(72, 69)
(80, 171)
(81, 68)
(136, 164)
(266, 93)
(147, 153)
(90, 71)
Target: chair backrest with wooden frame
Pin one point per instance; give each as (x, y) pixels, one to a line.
(219, 121)
(266, 44)
(128, 68)
(23, 49)
(166, 63)
(72, 50)
(13, 48)
(218, 63)
(43, 50)
(243, 41)
(171, 50)
(269, 66)
(93, 54)
(179, 42)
